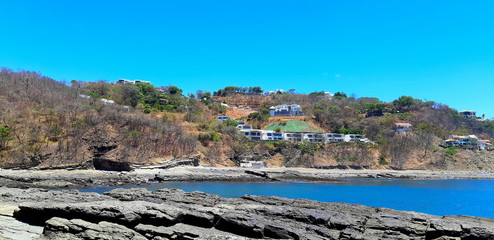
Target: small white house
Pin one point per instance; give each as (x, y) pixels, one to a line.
(244, 127)
(106, 101)
(286, 110)
(403, 127)
(469, 114)
(252, 164)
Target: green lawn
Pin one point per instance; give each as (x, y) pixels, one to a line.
(294, 126)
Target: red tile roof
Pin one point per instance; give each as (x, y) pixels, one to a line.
(403, 124)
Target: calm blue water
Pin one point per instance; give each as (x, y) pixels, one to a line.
(439, 197)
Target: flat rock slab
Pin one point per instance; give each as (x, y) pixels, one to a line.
(60, 228)
(10, 228)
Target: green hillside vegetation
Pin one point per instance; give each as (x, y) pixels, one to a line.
(294, 126)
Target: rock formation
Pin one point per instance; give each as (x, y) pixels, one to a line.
(174, 214)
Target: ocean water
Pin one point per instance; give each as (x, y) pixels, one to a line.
(439, 197)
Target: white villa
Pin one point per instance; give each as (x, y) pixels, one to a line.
(285, 110)
(469, 114)
(241, 126)
(312, 137)
(470, 140)
(132, 82)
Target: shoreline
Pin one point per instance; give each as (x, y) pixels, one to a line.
(57, 179)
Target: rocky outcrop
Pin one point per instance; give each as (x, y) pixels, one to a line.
(174, 214)
(60, 228)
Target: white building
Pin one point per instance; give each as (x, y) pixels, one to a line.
(122, 80)
(252, 164)
(244, 127)
(315, 137)
(253, 134)
(106, 101)
(270, 135)
(469, 114)
(286, 110)
(335, 137)
(312, 137)
(352, 138)
(403, 127)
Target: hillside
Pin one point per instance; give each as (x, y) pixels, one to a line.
(50, 124)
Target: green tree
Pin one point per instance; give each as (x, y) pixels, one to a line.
(231, 122)
(203, 95)
(340, 95)
(4, 135)
(307, 148)
(174, 90)
(317, 94)
(403, 103)
(131, 94)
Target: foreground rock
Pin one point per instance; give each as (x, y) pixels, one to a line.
(174, 214)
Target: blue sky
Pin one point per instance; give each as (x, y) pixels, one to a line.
(433, 50)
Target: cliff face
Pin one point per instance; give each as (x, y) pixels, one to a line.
(106, 146)
(172, 213)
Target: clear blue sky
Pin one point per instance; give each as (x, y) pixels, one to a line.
(434, 50)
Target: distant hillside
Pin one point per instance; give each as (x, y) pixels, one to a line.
(50, 124)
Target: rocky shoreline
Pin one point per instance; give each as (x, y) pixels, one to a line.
(29, 211)
(174, 214)
(58, 179)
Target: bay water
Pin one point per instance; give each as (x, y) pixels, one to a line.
(438, 197)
